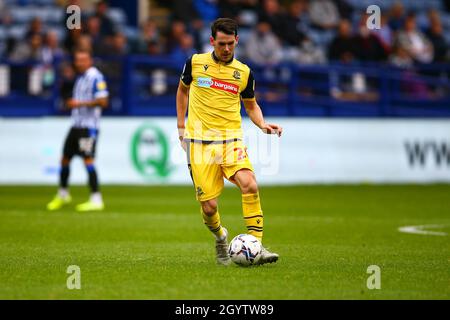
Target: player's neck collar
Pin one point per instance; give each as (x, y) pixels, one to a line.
(213, 55)
(86, 71)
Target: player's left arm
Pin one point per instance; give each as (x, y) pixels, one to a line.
(254, 111)
(101, 96)
(255, 114)
(102, 102)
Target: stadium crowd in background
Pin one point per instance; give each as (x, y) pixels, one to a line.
(273, 31)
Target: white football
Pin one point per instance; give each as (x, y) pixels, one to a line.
(244, 250)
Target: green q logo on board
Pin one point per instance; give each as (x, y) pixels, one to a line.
(150, 152)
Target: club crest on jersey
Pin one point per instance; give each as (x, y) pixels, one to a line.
(236, 75)
(205, 67)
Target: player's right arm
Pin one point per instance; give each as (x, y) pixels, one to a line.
(183, 97)
(182, 104)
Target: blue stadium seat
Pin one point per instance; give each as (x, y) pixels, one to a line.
(22, 15)
(17, 31)
(51, 14)
(118, 16)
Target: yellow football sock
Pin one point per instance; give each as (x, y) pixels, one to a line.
(213, 224)
(253, 214)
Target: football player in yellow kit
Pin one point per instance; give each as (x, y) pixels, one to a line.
(212, 86)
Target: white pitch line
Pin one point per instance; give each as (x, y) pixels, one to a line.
(420, 229)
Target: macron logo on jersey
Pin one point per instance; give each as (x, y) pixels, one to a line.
(217, 84)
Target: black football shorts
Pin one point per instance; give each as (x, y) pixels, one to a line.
(81, 142)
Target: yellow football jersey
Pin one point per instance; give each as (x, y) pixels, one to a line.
(215, 94)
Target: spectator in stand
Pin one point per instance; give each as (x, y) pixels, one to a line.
(436, 35)
(26, 51)
(30, 50)
(50, 53)
(93, 29)
(346, 86)
(245, 12)
(5, 14)
(71, 40)
(345, 9)
(384, 34)
(176, 32)
(262, 46)
(309, 53)
(119, 45)
(107, 27)
(184, 49)
(149, 33)
(35, 27)
(343, 47)
(230, 9)
(184, 11)
(433, 16)
(272, 13)
(400, 58)
(324, 14)
(304, 21)
(368, 46)
(293, 35)
(154, 48)
(242, 11)
(51, 49)
(440, 53)
(414, 41)
(6, 20)
(397, 16)
(112, 67)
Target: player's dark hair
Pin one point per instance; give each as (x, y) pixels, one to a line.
(225, 25)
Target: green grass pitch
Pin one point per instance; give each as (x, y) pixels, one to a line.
(150, 243)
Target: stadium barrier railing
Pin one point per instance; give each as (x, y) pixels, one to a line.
(146, 86)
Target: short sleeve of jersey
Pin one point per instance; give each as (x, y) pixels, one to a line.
(249, 91)
(186, 76)
(100, 88)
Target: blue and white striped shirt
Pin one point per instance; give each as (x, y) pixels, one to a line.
(89, 86)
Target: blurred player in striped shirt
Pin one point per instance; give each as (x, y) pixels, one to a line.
(90, 96)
